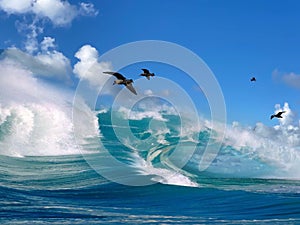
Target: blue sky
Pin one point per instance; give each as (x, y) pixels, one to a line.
(236, 39)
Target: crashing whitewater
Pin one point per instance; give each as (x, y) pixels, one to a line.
(36, 120)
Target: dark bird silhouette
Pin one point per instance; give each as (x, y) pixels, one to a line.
(147, 74)
(123, 80)
(253, 79)
(277, 115)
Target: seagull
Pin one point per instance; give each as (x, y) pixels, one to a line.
(147, 74)
(123, 80)
(253, 79)
(277, 115)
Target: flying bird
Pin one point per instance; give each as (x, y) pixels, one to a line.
(277, 115)
(147, 74)
(123, 80)
(253, 79)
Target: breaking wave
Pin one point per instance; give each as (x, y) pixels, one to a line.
(35, 116)
(36, 120)
(244, 152)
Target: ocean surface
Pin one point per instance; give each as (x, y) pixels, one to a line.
(113, 177)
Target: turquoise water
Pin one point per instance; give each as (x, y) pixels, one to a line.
(241, 186)
(65, 190)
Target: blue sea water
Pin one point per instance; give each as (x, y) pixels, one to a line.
(241, 186)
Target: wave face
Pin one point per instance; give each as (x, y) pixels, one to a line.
(62, 189)
(160, 140)
(153, 142)
(152, 139)
(51, 175)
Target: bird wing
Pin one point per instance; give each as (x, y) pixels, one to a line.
(131, 88)
(146, 71)
(117, 75)
(279, 114)
(272, 117)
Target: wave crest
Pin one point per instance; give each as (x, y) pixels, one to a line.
(35, 116)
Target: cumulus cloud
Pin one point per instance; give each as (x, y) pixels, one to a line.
(47, 63)
(288, 130)
(284, 135)
(291, 79)
(19, 85)
(289, 117)
(89, 68)
(34, 14)
(277, 145)
(16, 6)
(59, 12)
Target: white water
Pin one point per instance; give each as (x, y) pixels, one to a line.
(35, 117)
(36, 120)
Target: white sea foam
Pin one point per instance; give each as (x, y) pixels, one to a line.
(276, 147)
(164, 176)
(35, 117)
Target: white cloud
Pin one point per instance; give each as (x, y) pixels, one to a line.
(286, 133)
(290, 79)
(47, 43)
(87, 9)
(277, 146)
(89, 68)
(16, 6)
(289, 117)
(87, 53)
(51, 64)
(36, 12)
(59, 12)
(31, 31)
(288, 130)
